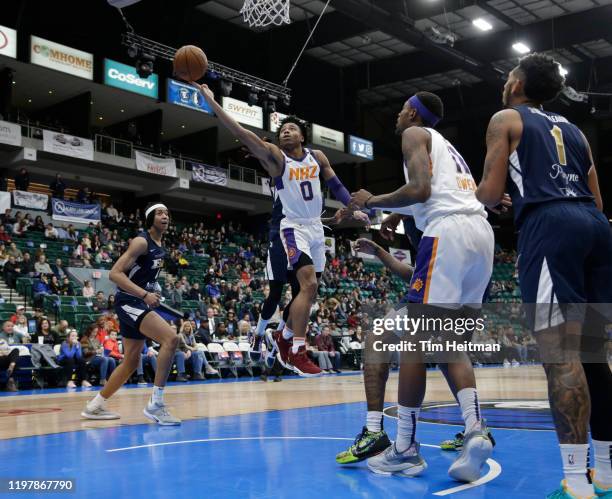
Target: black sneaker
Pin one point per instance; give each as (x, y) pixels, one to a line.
(367, 444)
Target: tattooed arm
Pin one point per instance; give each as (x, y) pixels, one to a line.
(499, 147)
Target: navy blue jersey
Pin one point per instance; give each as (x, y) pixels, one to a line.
(147, 267)
(277, 214)
(551, 162)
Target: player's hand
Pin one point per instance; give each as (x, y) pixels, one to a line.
(341, 215)
(362, 217)
(152, 300)
(204, 90)
(387, 228)
(359, 199)
(366, 246)
(504, 205)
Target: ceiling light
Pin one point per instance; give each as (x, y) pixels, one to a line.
(182, 126)
(29, 100)
(14, 82)
(50, 92)
(521, 48)
(100, 118)
(253, 97)
(123, 110)
(482, 25)
(563, 71)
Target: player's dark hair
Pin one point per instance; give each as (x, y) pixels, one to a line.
(432, 102)
(293, 119)
(151, 217)
(542, 78)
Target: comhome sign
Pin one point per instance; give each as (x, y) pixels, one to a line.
(61, 58)
(243, 113)
(125, 77)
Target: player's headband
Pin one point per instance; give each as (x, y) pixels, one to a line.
(428, 117)
(154, 207)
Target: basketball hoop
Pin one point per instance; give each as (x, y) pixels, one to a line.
(260, 13)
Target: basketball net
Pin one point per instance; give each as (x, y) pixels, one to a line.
(260, 13)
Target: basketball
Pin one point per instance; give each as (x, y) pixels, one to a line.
(190, 63)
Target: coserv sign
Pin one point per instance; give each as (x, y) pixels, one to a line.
(125, 77)
(61, 58)
(8, 42)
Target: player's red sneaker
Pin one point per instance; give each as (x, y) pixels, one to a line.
(302, 365)
(283, 346)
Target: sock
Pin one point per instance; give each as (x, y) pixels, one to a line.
(96, 402)
(374, 421)
(281, 325)
(260, 330)
(287, 333)
(406, 427)
(157, 397)
(470, 408)
(603, 462)
(297, 343)
(574, 458)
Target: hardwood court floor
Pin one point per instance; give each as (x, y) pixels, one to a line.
(59, 411)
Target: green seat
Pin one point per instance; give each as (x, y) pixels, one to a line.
(83, 309)
(8, 307)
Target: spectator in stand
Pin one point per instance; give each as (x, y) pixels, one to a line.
(231, 323)
(22, 180)
(110, 303)
(176, 297)
(221, 332)
(60, 331)
(44, 331)
(15, 252)
(8, 333)
(187, 345)
(55, 286)
(212, 290)
(40, 289)
(57, 187)
(3, 255)
(58, 269)
(4, 236)
(72, 360)
(88, 290)
(93, 352)
(51, 232)
(21, 330)
(195, 293)
(325, 345)
(100, 302)
(83, 195)
(20, 228)
(67, 288)
(27, 265)
(8, 361)
(38, 225)
(147, 357)
(244, 328)
(112, 213)
(42, 266)
(111, 347)
(11, 271)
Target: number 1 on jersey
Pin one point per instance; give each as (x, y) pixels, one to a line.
(557, 134)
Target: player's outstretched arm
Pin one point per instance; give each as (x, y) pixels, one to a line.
(490, 191)
(393, 264)
(268, 154)
(416, 144)
(118, 273)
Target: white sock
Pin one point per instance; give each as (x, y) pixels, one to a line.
(260, 330)
(297, 343)
(157, 397)
(574, 458)
(406, 427)
(287, 333)
(470, 408)
(374, 421)
(96, 402)
(281, 325)
(603, 462)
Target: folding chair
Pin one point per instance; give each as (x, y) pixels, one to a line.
(245, 349)
(213, 362)
(220, 358)
(235, 356)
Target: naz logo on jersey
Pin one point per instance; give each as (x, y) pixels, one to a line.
(303, 173)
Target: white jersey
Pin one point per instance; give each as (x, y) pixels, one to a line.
(299, 187)
(453, 189)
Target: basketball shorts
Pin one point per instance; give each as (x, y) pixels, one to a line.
(304, 236)
(454, 262)
(276, 267)
(131, 311)
(565, 257)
